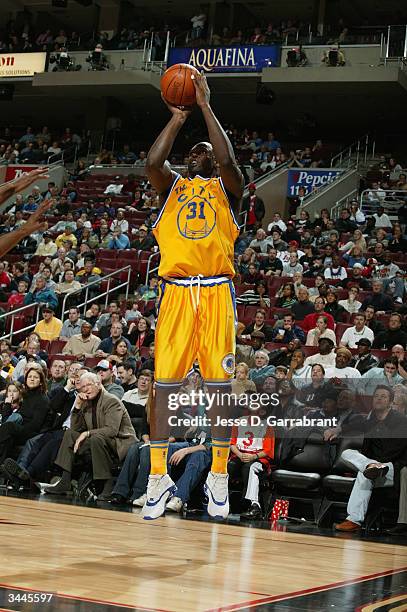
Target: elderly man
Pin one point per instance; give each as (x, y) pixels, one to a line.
(119, 240)
(99, 423)
(384, 448)
(261, 243)
(41, 294)
(378, 299)
(303, 307)
(262, 369)
(392, 335)
(82, 345)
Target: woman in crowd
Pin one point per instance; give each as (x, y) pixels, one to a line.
(320, 331)
(323, 220)
(303, 222)
(351, 304)
(252, 276)
(33, 411)
(10, 408)
(255, 297)
(241, 383)
(397, 242)
(68, 284)
(286, 296)
(332, 306)
(140, 334)
(357, 240)
(312, 395)
(354, 256)
(120, 353)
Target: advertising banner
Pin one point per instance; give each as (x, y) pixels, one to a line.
(245, 58)
(21, 64)
(310, 179)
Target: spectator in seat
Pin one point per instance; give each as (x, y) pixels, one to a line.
(66, 235)
(104, 369)
(254, 207)
(352, 335)
(292, 265)
(57, 376)
(384, 448)
(255, 297)
(351, 304)
(312, 395)
(391, 276)
(278, 243)
(72, 326)
(356, 278)
(135, 399)
(282, 356)
(271, 265)
(18, 273)
(116, 317)
(286, 296)
(400, 354)
(41, 294)
(143, 240)
(299, 373)
(355, 256)
(335, 271)
(82, 345)
(106, 346)
(344, 224)
(5, 280)
(150, 291)
(393, 335)
(16, 299)
(310, 320)
(68, 284)
(261, 370)
(126, 373)
(381, 219)
(371, 321)
(241, 384)
(277, 222)
(332, 307)
(106, 318)
(119, 240)
(387, 375)
(364, 360)
(108, 442)
(120, 353)
(49, 328)
(342, 370)
(288, 331)
(93, 314)
(47, 247)
(34, 409)
(303, 306)
(89, 274)
(326, 355)
(397, 243)
(140, 334)
(258, 325)
(320, 331)
(261, 242)
(148, 363)
(246, 352)
(252, 276)
(120, 222)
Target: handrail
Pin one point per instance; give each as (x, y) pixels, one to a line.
(364, 203)
(338, 204)
(354, 147)
(266, 175)
(325, 187)
(149, 261)
(13, 312)
(60, 157)
(106, 293)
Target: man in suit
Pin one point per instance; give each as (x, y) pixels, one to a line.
(99, 424)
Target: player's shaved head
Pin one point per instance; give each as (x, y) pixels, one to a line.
(201, 160)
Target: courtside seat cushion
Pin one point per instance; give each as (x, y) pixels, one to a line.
(338, 484)
(297, 480)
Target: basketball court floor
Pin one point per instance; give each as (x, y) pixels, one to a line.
(70, 557)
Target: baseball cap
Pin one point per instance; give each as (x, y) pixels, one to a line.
(258, 334)
(47, 308)
(252, 186)
(87, 224)
(293, 243)
(47, 235)
(364, 342)
(143, 227)
(327, 339)
(358, 265)
(104, 364)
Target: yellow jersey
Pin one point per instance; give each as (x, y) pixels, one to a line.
(196, 229)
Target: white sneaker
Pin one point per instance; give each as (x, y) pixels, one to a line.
(216, 490)
(159, 489)
(140, 501)
(175, 504)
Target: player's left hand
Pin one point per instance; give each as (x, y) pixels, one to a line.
(178, 456)
(203, 93)
(35, 222)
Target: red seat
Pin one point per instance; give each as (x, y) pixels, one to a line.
(56, 346)
(340, 329)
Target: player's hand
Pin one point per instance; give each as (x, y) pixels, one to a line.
(178, 111)
(28, 179)
(203, 93)
(35, 222)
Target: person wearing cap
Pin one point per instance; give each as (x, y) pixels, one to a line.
(144, 241)
(364, 360)
(278, 243)
(104, 370)
(41, 294)
(254, 207)
(356, 332)
(326, 355)
(66, 235)
(47, 247)
(49, 328)
(246, 352)
(342, 370)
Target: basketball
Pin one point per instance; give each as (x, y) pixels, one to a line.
(177, 86)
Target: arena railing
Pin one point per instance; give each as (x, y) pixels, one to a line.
(391, 201)
(18, 312)
(343, 203)
(149, 269)
(109, 290)
(355, 153)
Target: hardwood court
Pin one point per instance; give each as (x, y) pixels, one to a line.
(178, 565)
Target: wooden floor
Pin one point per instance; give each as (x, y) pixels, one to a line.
(171, 564)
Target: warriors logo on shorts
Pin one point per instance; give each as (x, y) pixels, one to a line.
(228, 363)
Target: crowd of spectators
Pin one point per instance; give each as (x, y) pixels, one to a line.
(321, 319)
(40, 146)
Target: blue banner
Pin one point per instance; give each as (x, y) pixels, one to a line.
(245, 58)
(310, 179)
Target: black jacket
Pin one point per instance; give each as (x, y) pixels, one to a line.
(301, 309)
(60, 408)
(259, 209)
(379, 301)
(387, 339)
(365, 364)
(386, 440)
(34, 409)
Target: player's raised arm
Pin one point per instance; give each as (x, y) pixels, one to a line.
(231, 176)
(158, 169)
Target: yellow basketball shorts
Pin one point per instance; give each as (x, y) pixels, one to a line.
(196, 321)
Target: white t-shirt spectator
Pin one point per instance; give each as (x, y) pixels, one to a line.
(289, 270)
(351, 336)
(198, 21)
(332, 273)
(382, 221)
(280, 223)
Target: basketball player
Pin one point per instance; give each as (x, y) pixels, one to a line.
(196, 230)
